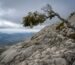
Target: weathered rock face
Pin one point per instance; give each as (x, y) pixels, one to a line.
(72, 19)
(47, 47)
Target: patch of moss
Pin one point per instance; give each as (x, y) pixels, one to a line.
(60, 26)
(72, 36)
(36, 43)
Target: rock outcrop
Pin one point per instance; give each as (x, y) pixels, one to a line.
(47, 47)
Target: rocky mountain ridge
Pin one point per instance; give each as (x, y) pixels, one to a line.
(47, 47)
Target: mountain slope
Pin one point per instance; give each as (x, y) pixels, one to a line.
(48, 47)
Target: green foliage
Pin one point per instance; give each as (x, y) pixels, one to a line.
(72, 35)
(60, 26)
(33, 19)
(36, 18)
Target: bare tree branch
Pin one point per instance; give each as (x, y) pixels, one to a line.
(51, 14)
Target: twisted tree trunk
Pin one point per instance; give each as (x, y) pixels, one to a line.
(65, 21)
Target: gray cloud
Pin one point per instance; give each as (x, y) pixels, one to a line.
(21, 8)
(14, 10)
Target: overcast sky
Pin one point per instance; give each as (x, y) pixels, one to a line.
(12, 11)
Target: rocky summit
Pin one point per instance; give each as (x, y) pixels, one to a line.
(47, 47)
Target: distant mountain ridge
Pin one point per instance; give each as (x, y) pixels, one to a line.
(13, 38)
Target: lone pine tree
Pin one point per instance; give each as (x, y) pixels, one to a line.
(36, 18)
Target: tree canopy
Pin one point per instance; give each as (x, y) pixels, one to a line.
(34, 18)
